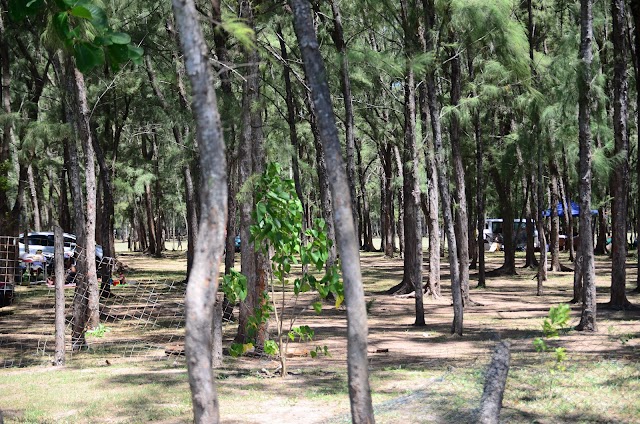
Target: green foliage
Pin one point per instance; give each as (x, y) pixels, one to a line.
(302, 333)
(234, 286)
(271, 347)
(540, 345)
(99, 331)
(239, 349)
(238, 29)
(4, 176)
(558, 318)
(83, 28)
(278, 223)
(551, 326)
(277, 228)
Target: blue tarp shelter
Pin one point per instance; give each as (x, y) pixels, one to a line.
(575, 210)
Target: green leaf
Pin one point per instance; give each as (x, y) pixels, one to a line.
(120, 38)
(270, 347)
(61, 26)
(313, 354)
(88, 56)
(19, 9)
(81, 12)
(117, 54)
(98, 16)
(317, 306)
(339, 300)
(135, 54)
(102, 41)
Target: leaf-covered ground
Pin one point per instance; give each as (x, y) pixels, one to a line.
(418, 375)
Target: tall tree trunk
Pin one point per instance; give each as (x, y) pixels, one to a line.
(386, 157)
(230, 244)
(357, 330)
(150, 221)
(84, 133)
(203, 279)
(9, 222)
(254, 264)
(588, 316)
(443, 178)
(33, 195)
(542, 239)
(293, 133)
(192, 217)
(635, 11)
(59, 356)
(480, 197)
(461, 218)
(601, 236)
(338, 39)
(323, 182)
(412, 277)
(433, 206)
(400, 223)
(80, 296)
(568, 208)
(621, 150)
(554, 237)
(367, 236)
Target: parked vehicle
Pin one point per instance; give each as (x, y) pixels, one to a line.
(493, 230)
(238, 243)
(44, 241)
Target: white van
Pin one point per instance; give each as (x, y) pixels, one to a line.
(493, 227)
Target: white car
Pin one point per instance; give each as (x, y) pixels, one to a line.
(44, 241)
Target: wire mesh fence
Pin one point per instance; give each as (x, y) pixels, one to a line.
(140, 320)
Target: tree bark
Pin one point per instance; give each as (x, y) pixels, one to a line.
(400, 223)
(412, 271)
(345, 84)
(443, 178)
(461, 218)
(542, 239)
(588, 315)
(33, 195)
(203, 279)
(84, 133)
(480, 198)
(323, 182)
(9, 222)
(554, 237)
(494, 385)
(192, 217)
(357, 363)
(59, 355)
(635, 11)
(387, 202)
(621, 150)
(433, 204)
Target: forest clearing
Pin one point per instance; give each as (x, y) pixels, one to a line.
(418, 374)
(319, 211)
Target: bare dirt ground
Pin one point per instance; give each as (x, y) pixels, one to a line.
(417, 374)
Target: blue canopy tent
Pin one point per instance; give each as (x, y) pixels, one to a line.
(575, 210)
